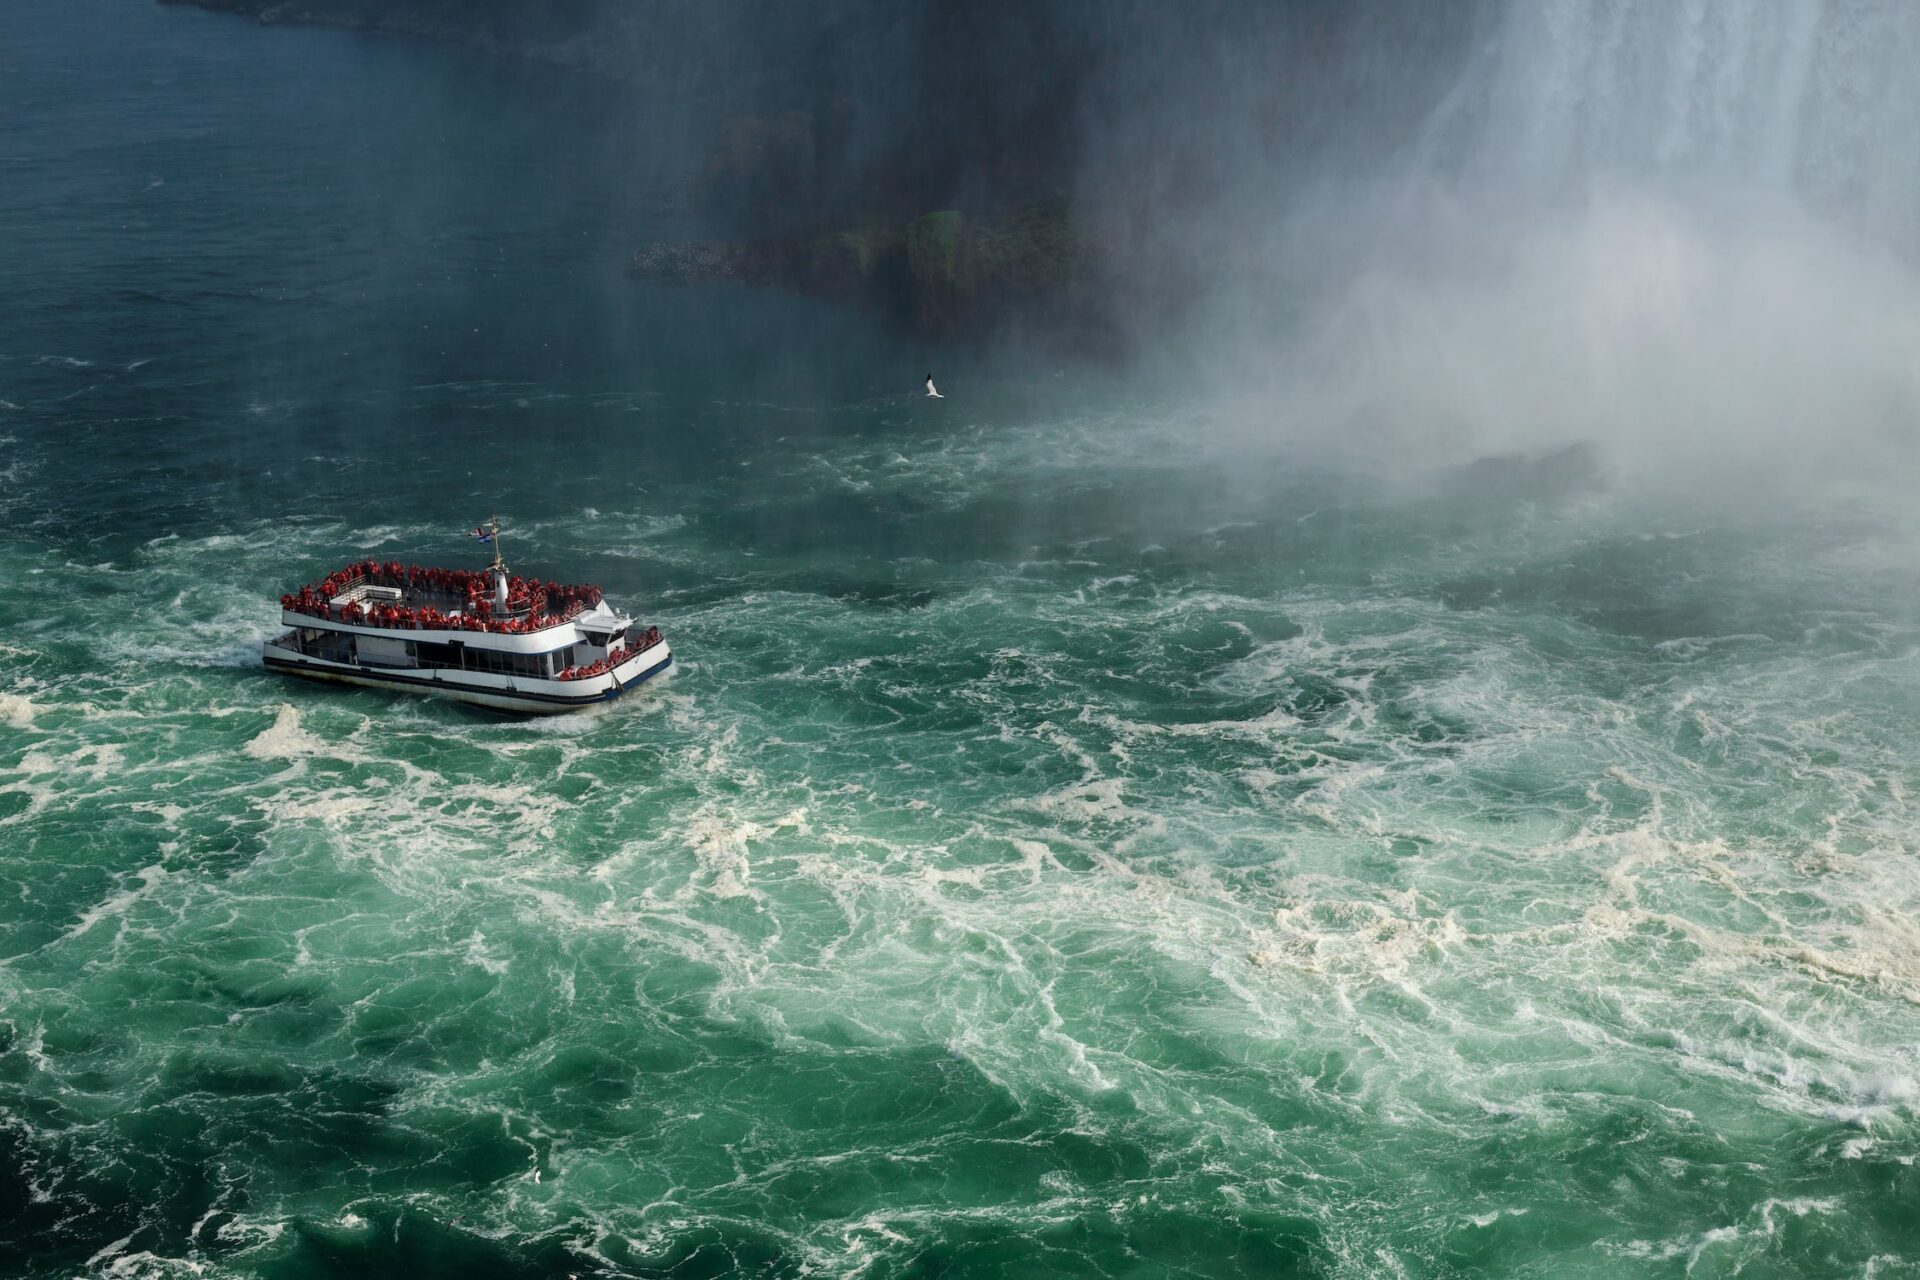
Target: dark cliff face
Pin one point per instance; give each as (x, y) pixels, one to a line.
(958, 160)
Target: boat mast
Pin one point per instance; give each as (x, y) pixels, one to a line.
(498, 569)
(498, 566)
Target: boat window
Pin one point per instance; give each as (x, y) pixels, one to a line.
(493, 662)
(435, 655)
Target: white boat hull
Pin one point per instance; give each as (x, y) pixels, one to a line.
(500, 692)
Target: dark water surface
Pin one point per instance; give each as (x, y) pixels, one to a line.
(1063, 847)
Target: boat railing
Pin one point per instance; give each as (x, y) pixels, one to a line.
(357, 608)
(467, 594)
(639, 640)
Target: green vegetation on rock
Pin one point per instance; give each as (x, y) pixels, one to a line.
(946, 270)
(933, 248)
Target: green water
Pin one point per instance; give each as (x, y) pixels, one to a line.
(1064, 846)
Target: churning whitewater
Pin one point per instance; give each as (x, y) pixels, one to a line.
(1070, 840)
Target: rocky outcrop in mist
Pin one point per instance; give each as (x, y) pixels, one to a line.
(945, 271)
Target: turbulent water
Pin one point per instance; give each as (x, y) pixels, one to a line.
(1065, 845)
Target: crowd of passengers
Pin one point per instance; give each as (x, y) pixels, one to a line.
(612, 660)
(531, 604)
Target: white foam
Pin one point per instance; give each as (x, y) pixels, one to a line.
(721, 847)
(478, 956)
(285, 739)
(117, 904)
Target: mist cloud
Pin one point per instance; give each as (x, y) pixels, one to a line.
(1682, 233)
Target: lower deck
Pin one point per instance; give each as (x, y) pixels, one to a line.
(481, 682)
(400, 652)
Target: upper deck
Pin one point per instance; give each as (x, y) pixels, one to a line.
(406, 597)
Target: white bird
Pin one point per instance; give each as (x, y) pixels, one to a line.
(932, 390)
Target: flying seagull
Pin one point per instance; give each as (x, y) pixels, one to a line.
(932, 390)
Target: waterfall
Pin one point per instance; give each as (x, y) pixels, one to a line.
(1808, 100)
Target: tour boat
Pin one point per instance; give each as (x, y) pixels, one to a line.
(483, 636)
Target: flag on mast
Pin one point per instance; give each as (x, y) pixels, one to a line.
(484, 534)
